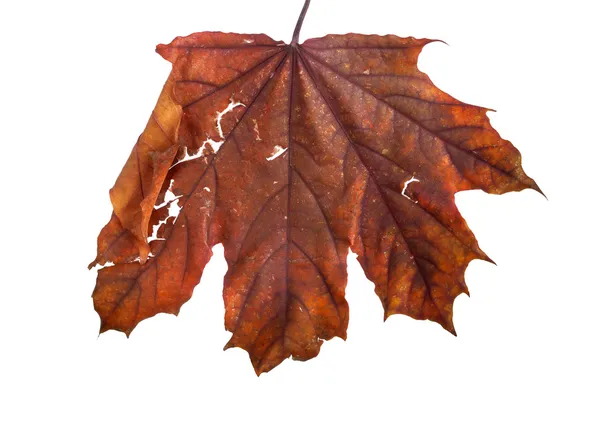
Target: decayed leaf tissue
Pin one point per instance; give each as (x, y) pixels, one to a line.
(289, 155)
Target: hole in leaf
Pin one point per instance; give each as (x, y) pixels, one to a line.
(277, 152)
(230, 107)
(412, 180)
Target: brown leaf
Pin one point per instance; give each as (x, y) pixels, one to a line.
(289, 155)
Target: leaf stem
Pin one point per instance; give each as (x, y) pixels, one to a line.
(296, 36)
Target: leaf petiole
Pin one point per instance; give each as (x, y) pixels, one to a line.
(296, 35)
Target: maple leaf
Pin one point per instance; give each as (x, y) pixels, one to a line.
(290, 155)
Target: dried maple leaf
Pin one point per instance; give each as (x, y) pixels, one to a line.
(289, 155)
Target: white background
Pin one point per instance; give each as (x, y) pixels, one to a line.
(78, 82)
